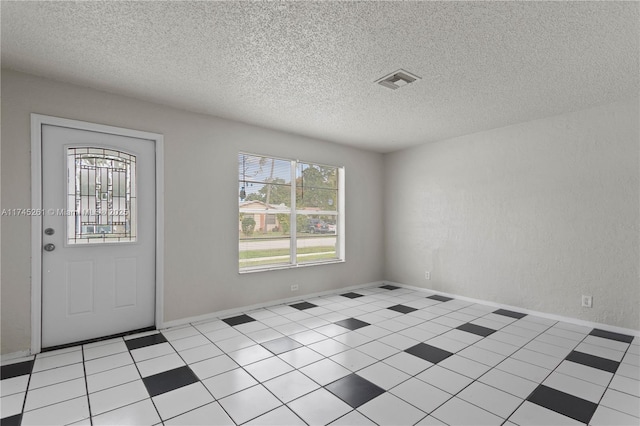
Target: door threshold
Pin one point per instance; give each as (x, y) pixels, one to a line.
(97, 339)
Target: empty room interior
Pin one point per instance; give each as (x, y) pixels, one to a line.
(314, 213)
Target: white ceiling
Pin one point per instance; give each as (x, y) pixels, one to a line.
(309, 67)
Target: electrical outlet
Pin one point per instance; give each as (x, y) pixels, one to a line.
(587, 301)
(294, 287)
(427, 275)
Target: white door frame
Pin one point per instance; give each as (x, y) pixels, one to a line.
(37, 121)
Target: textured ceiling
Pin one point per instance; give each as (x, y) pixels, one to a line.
(309, 67)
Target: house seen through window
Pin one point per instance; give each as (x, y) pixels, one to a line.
(290, 213)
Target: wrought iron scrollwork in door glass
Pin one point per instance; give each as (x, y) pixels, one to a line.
(101, 196)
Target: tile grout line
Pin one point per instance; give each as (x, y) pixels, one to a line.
(294, 369)
(26, 391)
(283, 404)
(141, 379)
(476, 379)
(613, 376)
(554, 370)
(453, 353)
(44, 387)
(351, 371)
(541, 332)
(199, 380)
(377, 301)
(86, 385)
(509, 357)
(110, 387)
(362, 414)
(415, 375)
(239, 367)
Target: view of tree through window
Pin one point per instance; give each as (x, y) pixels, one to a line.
(289, 212)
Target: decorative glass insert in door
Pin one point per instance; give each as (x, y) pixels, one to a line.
(101, 196)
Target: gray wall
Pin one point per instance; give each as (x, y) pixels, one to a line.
(531, 215)
(201, 231)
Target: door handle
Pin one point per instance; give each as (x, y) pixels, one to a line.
(49, 231)
(49, 247)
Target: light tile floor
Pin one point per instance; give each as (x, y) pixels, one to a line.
(383, 355)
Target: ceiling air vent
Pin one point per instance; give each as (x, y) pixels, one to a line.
(397, 79)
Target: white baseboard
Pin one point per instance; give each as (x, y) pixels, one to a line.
(242, 309)
(612, 328)
(233, 311)
(7, 358)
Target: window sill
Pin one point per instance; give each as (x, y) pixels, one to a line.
(284, 267)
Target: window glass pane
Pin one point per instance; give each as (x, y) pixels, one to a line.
(264, 252)
(316, 239)
(316, 200)
(101, 196)
(316, 212)
(316, 176)
(256, 169)
(264, 188)
(316, 188)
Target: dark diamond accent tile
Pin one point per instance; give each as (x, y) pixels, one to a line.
(141, 342)
(281, 345)
(568, 405)
(240, 319)
(428, 353)
(511, 314)
(476, 329)
(440, 298)
(169, 380)
(611, 335)
(402, 309)
(354, 390)
(303, 305)
(17, 369)
(593, 361)
(352, 295)
(389, 287)
(352, 323)
(12, 421)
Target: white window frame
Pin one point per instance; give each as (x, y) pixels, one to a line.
(340, 222)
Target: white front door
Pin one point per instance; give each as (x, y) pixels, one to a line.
(98, 234)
